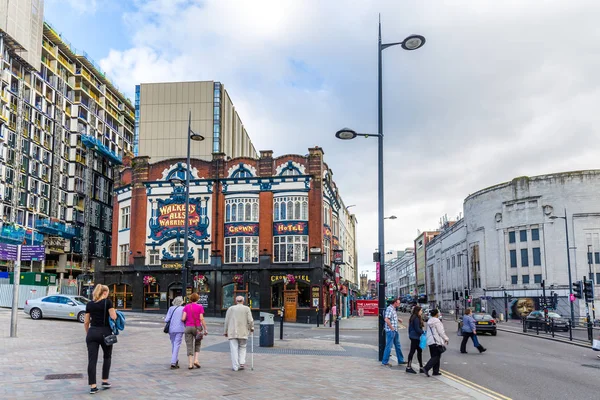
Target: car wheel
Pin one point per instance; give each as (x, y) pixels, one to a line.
(494, 333)
(81, 317)
(35, 313)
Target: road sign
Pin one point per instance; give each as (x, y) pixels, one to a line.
(8, 252)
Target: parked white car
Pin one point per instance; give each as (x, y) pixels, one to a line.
(57, 306)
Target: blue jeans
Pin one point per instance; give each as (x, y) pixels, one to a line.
(392, 337)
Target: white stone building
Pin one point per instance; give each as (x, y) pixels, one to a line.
(512, 237)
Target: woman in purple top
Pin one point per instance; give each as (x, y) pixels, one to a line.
(176, 329)
(193, 316)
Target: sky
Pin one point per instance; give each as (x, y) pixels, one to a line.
(500, 89)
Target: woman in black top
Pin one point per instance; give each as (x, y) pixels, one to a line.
(97, 327)
(415, 330)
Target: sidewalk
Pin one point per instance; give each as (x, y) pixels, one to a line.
(295, 369)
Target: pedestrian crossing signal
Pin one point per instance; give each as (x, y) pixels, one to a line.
(588, 290)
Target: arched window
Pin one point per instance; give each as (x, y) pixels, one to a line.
(242, 209)
(176, 249)
(304, 215)
(276, 212)
(290, 208)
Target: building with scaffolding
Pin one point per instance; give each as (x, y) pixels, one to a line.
(64, 127)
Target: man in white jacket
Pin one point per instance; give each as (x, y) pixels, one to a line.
(238, 324)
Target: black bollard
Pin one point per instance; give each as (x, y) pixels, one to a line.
(337, 330)
(524, 325)
(552, 327)
(281, 325)
(570, 331)
(317, 317)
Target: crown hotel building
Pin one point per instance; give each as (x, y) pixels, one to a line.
(63, 128)
(265, 228)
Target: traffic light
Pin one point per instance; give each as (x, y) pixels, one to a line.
(577, 290)
(588, 290)
(466, 293)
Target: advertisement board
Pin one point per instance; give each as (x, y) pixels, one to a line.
(367, 307)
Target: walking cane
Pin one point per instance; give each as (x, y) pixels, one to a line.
(252, 355)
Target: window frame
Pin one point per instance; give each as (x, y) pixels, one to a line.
(281, 208)
(512, 237)
(125, 217)
(523, 236)
(513, 258)
(283, 241)
(154, 257)
(537, 262)
(123, 254)
(525, 258)
(535, 234)
(238, 206)
(241, 245)
(523, 279)
(514, 279)
(535, 278)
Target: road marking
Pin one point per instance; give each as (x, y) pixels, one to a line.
(476, 387)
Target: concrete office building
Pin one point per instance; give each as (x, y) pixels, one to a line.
(512, 238)
(421, 259)
(63, 128)
(162, 113)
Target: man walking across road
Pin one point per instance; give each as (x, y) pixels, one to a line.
(238, 324)
(392, 337)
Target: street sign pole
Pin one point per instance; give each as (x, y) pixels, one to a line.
(15, 299)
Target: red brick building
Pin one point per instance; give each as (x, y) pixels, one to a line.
(252, 223)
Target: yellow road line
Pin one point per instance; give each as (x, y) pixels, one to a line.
(475, 386)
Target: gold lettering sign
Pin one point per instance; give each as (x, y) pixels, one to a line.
(275, 278)
(242, 229)
(172, 265)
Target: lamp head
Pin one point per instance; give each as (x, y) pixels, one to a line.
(413, 42)
(196, 137)
(345, 134)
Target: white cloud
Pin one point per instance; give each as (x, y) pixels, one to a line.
(501, 89)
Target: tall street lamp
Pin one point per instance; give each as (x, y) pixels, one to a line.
(191, 135)
(412, 42)
(568, 264)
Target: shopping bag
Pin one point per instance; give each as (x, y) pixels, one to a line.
(423, 341)
(596, 345)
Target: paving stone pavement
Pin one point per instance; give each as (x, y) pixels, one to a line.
(140, 368)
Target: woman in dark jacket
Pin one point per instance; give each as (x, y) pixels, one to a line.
(415, 330)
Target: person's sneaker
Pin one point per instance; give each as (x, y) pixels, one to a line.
(411, 371)
(421, 370)
(438, 374)
(402, 362)
(387, 365)
(105, 385)
(426, 372)
(94, 390)
(173, 366)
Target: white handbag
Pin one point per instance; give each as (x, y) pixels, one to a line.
(596, 344)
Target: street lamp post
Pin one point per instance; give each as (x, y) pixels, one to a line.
(568, 264)
(412, 42)
(592, 278)
(196, 137)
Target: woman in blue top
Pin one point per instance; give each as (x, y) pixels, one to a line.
(176, 328)
(469, 331)
(415, 330)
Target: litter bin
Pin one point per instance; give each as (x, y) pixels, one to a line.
(267, 329)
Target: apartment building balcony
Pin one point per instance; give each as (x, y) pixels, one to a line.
(38, 238)
(93, 143)
(55, 228)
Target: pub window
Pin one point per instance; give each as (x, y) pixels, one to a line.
(203, 256)
(154, 257)
(277, 295)
(304, 295)
(241, 250)
(254, 296)
(125, 212)
(327, 251)
(176, 249)
(293, 248)
(121, 296)
(290, 208)
(152, 297)
(228, 299)
(124, 254)
(241, 210)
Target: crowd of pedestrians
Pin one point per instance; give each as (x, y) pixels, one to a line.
(430, 334)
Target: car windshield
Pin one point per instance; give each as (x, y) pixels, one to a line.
(482, 317)
(553, 315)
(81, 300)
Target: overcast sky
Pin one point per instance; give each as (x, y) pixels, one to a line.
(501, 88)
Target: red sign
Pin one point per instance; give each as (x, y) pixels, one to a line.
(290, 228)
(335, 242)
(241, 229)
(377, 272)
(367, 307)
(326, 231)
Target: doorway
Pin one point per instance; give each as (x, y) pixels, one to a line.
(290, 302)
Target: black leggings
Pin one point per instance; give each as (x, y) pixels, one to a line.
(415, 345)
(95, 340)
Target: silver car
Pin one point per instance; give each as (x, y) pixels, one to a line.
(57, 306)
